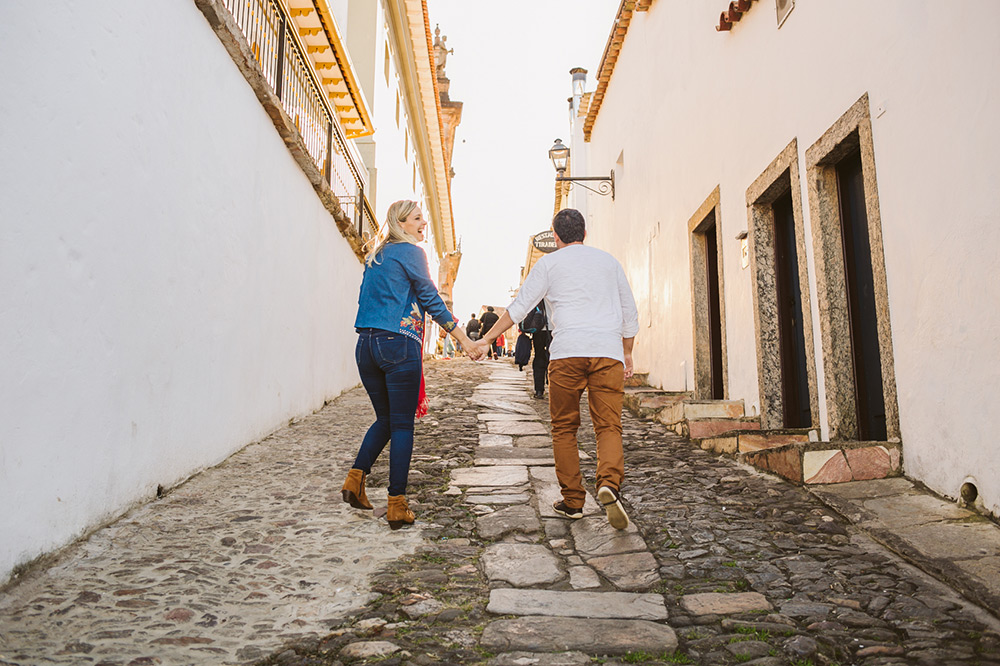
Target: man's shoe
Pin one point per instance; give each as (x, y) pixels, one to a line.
(612, 503)
(566, 512)
(539, 395)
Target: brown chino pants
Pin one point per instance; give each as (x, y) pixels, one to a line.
(604, 379)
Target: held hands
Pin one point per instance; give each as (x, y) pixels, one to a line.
(477, 350)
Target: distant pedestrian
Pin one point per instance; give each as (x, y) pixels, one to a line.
(487, 320)
(396, 290)
(594, 320)
(536, 323)
(473, 328)
(522, 351)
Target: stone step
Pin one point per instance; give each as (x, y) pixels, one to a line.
(745, 441)
(689, 410)
(555, 634)
(698, 429)
(639, 379)
(646, 402)
(829, 462)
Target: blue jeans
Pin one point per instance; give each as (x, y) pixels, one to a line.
(390, 368)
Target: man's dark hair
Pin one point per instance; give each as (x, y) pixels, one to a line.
(569, 225)
(489, 308)
(473, 315)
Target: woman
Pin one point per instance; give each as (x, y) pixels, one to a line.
(395, 292)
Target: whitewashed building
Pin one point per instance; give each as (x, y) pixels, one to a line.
(184, 192)
(805, 204)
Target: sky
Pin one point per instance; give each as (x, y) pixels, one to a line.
(510, 69)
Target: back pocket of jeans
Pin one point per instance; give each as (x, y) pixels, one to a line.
(391, 349)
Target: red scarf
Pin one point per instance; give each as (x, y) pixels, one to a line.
(422, 396)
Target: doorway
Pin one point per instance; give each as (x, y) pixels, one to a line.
(796, 412)
(852, 294)
(708, 303)
(786, 365)
(866, 362)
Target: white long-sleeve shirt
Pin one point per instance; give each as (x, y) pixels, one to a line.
(587, 299)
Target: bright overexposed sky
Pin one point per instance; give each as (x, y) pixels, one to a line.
(510, 69)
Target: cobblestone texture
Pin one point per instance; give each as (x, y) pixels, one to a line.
(259, 561)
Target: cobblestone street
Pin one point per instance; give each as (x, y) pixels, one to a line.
(259, 561)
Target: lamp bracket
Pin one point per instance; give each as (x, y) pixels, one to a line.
(605, 184)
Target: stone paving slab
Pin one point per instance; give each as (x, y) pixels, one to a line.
(607, 605)
(485, 462)
(512, 452)
(589, 636)
(498, 490)
(514, 498)
(533, 442)
(540, 659)
(582, 577)
(504, 405)
(517, 386)
(719, 603)
(594, 537)
(521, 564)
(517, 397)
(490, 439)
(497, 475)
(511, 519)
(516, 428)
(503, 416)
(630, 571)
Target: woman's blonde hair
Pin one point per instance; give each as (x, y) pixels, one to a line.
(391, 232)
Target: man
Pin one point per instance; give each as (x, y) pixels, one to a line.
(472, 328)
(593, 319)
(488, 320)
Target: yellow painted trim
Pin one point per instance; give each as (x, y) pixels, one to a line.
(342, 56)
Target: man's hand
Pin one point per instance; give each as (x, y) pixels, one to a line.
(477, 350)
(627, 349)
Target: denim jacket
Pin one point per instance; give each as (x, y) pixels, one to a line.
(396, 291)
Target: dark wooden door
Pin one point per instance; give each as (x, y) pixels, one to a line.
(791, 331)
(866, 359)
(714, 307)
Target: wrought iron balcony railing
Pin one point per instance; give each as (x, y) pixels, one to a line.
(271, 36)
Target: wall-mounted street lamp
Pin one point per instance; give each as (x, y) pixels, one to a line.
(559, 154)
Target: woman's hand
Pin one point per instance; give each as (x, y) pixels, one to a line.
(471, 348)
(477, 351)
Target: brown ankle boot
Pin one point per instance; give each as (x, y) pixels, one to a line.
(399, 513)
(354, 490)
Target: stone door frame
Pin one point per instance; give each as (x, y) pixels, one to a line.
(852, 132)
(699, 298)
(780, 177)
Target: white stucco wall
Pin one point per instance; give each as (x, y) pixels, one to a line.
(172, 287)
(692, 109)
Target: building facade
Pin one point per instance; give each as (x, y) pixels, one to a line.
(807, 219)
(183, 232)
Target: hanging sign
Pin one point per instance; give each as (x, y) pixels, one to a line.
(545, 241)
